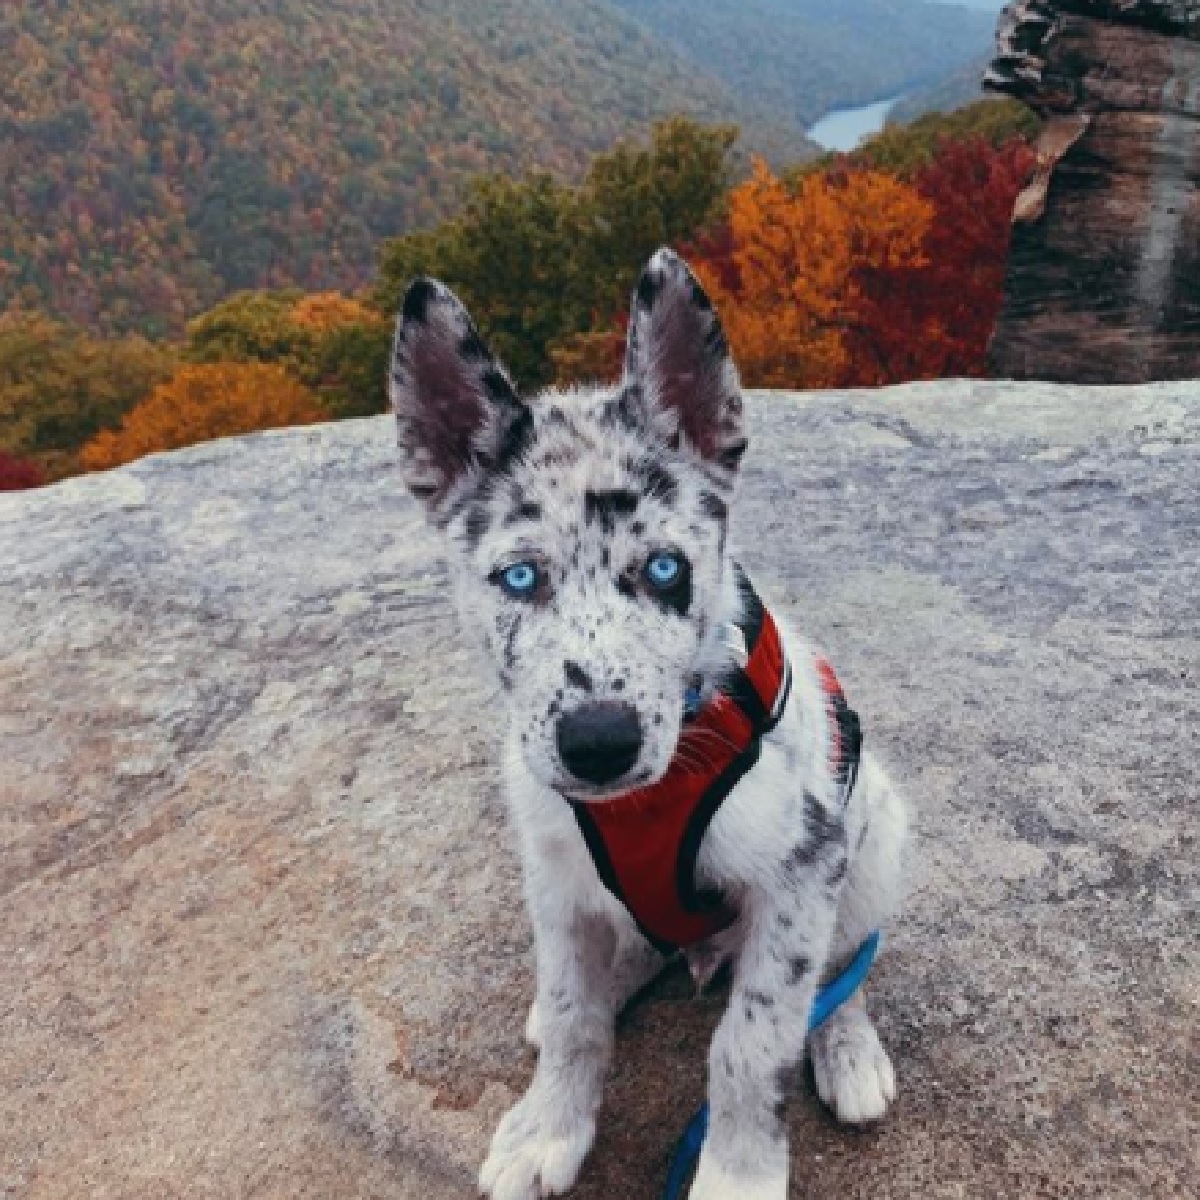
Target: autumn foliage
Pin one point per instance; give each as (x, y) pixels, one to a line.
(325, 312)
(541, 263)
(867, 269)
(850, 274)
(335, 345)
(855, 277)
(157, 155)
(933, 321)
(16, 474)
(788, 280)
(203, 402)
(59, 386)
(584, 358)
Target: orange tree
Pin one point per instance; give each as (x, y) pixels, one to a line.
(784, 278)
(202, 402)
(324, 312)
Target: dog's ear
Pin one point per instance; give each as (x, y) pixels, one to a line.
(458, 412)
(678, 369)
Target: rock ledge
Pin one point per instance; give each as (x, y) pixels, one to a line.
(260, 914)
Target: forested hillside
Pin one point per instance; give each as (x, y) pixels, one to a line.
(801, 58)
(156, 155)
(852, 270)
(963, 87)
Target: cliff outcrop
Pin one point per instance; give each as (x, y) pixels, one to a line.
(1104, 271)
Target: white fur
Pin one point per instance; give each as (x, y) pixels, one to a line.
(740, 854)
(810, 874)
(713, 1182)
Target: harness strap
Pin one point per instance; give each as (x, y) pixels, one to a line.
(846, 751)
(826, 1002)
(645, 843)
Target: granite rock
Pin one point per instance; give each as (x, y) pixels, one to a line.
(259, 908)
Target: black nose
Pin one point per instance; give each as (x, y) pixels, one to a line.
(600, 742)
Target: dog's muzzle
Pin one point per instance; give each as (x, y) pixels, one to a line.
(598, 743)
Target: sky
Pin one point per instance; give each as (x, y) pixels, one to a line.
(984, 5)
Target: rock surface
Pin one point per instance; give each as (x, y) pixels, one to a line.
(1104, 270)
(259, 910)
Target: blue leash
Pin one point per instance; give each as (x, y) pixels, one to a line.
(828, 1000)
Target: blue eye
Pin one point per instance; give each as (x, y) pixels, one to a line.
(521, 579)
(663, 569)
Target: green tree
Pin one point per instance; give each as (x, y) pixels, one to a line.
(59, 386)
(509, 257)
(904, 150)
(249, 327)
(639, 197)
(336, 346)
(351, 369)
(538, 262)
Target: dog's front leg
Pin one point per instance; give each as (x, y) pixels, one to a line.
(542, 1141)
(761, 1036)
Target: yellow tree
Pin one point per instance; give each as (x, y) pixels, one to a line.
(203, 402)
(324, 312)
(786, 285)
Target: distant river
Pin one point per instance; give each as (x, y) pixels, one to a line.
(845, 128)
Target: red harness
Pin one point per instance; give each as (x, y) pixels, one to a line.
(645, 843)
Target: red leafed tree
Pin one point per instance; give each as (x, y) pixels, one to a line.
(16, 474)
(933, 321)
(717, 247)
(593, 357)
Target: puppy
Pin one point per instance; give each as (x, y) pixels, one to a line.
(588, 539)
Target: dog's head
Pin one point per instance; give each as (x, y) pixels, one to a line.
(589, 525)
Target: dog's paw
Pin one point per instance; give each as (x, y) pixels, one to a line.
(535, 1153)
(853, 1072)
(715, 1183)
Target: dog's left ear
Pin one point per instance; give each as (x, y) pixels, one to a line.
(678, 369)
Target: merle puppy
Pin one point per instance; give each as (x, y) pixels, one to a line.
(588, 530)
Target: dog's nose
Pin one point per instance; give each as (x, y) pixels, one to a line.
(600, 742)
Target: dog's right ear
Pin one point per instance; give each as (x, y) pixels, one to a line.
(680, 379)
(458, 413)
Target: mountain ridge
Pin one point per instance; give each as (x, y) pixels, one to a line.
(805, 58)
(155, 157)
